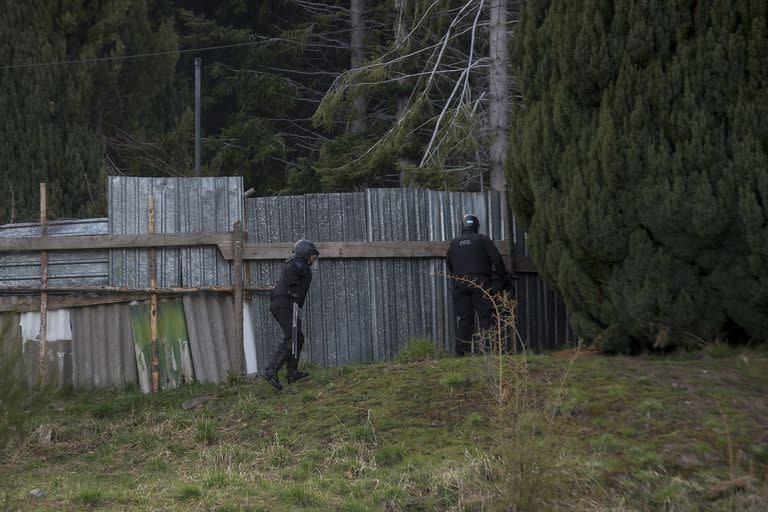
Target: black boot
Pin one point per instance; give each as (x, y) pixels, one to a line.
(296, 375)
(271, 377)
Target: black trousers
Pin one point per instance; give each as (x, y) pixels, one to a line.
(468, 300)
(283, 313)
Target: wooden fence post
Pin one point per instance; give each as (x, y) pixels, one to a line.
(510, 243)
(155, 363)
(237, 286)
(42, 357)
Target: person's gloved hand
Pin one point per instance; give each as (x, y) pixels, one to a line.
(497, 285)
(509, 284)
(293, 297)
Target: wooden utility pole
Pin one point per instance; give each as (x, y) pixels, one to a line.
(198, 114)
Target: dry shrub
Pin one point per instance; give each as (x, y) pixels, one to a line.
(528, 466)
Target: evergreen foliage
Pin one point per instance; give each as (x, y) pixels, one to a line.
(425, 98)
(90, 90)
(251, 96)
(640, 165)
(64, 124)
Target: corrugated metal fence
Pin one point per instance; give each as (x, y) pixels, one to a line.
(358, 310)
(542, 320)
(368, 310)
(83, 268)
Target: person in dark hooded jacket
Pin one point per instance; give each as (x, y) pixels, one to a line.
(291, 289)
(475, 258)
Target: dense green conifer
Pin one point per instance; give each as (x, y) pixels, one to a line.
(65, 122)
(640, 165)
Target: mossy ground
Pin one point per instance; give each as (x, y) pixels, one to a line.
(683, 432)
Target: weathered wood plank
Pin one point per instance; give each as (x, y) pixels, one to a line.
(525, 265)
(237, 290)
(351, 250)
(88, 242)
(77, 297)
(42, 359)
(23, 304)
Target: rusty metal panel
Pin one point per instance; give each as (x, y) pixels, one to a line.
(102, 347)
(182, 205)
(173, 347)
(65, 268)
(210, 322)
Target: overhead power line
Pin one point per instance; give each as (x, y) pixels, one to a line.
(134, 56)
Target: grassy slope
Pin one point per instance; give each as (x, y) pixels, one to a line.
(590, 433)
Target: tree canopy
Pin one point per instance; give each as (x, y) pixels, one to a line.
(640, 165)
(297, 96)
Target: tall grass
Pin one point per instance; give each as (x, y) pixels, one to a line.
(525, 468)
(18, 401)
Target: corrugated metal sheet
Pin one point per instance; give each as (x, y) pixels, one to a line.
(366, 310)
(271, 219)
(182, 205)
(102, 347)
(211, 335)
(338, 307)
(357, 310)
(174, 361)
(65, 268)
(58, 345)
(542, 316)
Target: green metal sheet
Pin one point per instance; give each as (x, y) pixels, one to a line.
(174, 358)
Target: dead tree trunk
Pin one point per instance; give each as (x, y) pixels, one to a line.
(402, 99)
(498, 93)
(357, 46)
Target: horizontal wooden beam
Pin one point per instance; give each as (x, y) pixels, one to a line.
(114, 289)
(350, 250)
(262, 251)
(88, 242)
(525, 265)
(79, 297)
(24, 303)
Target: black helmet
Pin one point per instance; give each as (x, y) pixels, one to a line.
(304, 249)
(470, 223)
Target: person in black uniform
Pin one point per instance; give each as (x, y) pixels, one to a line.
(473, 256)
(291, 289)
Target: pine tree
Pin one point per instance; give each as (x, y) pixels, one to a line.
(639, 165)
(258, 96)
(426, 80)
(64, 112)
